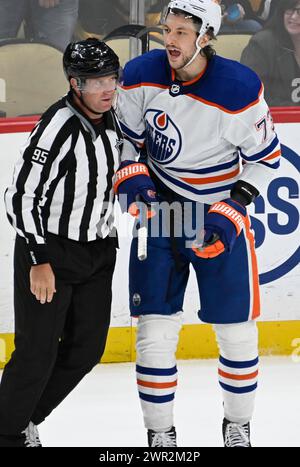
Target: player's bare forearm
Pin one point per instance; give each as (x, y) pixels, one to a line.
(42, 283)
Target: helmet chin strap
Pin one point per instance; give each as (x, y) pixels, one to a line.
(198, 50)
(202, 32)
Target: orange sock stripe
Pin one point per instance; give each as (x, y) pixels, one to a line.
(238, 377)
(255, 277)
(149, 384)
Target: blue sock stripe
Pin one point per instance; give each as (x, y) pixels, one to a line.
(232, 364)
(235, 390)
(156, 371)
(156, 399)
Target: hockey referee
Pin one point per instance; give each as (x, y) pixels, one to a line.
(61, 206)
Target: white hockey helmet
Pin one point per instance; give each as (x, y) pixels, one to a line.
(209, 11)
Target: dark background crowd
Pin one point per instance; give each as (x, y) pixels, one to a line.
(272, 27)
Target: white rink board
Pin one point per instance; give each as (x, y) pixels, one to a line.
(280, 296)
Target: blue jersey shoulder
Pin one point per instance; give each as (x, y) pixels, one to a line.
(230, 85)
(226, 84)
(147, 68)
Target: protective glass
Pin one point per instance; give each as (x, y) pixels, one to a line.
(166, 11)
(96, 85)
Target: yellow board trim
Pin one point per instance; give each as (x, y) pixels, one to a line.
(196, 341)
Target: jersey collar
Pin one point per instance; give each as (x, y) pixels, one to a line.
(183, 87)
(192, 81)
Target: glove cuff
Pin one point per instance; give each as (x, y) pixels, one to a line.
(233, 211)
(129, 171)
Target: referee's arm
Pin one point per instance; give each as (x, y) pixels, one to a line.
(46, 149)
(23, 199)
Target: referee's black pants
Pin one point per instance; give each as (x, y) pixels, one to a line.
(58, 343)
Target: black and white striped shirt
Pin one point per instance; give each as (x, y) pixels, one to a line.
(63, 183)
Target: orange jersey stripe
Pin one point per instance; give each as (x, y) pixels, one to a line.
(192, 81)
(217, 178)
(255, 277)
(149, 384)
(238, 377)
(204, 101)
(273, 156)
(154, 85)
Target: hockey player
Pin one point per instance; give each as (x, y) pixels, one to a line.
(61, 206)
(209, 138)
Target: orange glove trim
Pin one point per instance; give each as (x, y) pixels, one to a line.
(129, 171)
(210, 251)
(234, 216)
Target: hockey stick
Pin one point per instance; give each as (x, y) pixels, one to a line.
(201, 244)
(142, 231)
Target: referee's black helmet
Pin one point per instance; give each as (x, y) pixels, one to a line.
(89, 58)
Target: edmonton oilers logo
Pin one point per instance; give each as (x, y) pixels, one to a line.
(163, 137)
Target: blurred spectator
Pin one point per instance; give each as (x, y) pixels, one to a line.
(259, 11)
(154, 11)
(262, 8)
(49, 21)
(239, 17)
(99, 17)
(274, 53)
(269, 7)
(243, 15)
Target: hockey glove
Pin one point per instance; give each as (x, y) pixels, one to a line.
(133, 183)
(225, 221)
(222, 224)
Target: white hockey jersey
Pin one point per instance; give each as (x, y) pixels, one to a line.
(203, 135)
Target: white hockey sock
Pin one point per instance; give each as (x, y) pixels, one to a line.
(157, 339)
(238, 369)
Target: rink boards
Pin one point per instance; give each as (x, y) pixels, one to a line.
(275, 220)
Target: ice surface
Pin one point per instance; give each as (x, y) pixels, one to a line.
(104, 411)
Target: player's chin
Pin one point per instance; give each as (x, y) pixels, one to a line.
(175, 64)
(105, 105)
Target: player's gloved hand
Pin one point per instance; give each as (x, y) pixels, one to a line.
(222, 225)
(132, 183)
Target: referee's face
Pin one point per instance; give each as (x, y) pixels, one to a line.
(98, 93)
